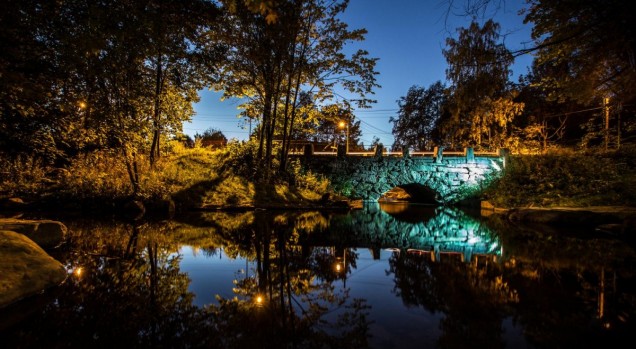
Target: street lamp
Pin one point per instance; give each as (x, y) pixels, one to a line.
(344, 125)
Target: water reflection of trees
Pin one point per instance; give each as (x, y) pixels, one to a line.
(472, 296)
(127, 289)
(295, 282)
(576, 289)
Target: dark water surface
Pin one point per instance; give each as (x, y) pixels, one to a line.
(396, 276)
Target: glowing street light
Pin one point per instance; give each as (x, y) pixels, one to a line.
(259, 300)
(345, 125)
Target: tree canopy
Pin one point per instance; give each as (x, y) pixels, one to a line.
(588, 48)
(480, 100)
(418, 114)
(271, 62)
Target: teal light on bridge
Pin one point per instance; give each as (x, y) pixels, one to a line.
(496, 166)
(472, 240)
(451, 176)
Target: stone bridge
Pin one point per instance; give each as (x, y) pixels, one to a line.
(441, 176)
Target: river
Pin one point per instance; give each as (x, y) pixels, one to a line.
(385, 276)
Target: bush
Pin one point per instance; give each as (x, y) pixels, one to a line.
(96, 175)
(567, 179)
(307, 179)
(22, 175)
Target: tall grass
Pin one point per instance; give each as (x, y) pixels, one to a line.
(197, 176)
(567, 179)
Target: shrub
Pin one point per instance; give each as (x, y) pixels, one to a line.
(99, 174)
(22, 175)
(571, 179)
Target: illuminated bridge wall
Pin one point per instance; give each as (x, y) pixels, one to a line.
(450, 175)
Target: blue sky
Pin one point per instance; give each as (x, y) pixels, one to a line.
(408, 37)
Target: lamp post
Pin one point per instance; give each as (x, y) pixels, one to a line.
(606, 107)
(344, 125)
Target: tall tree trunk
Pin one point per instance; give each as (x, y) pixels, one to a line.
(154, 148)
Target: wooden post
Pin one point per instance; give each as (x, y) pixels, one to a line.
(606, 105)
(342, 150)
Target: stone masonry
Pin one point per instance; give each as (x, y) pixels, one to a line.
(452, 176)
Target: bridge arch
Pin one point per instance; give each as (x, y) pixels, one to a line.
(414, 193)
(367, 176)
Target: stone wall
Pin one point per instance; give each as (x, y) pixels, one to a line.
(451, 177)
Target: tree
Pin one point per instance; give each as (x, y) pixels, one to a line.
(172, 33)
(586, 50)
(417, 117)
(85, 75)
(592, 45)
(331, 124)
(479, 68)
(211, 138)
(271, 62)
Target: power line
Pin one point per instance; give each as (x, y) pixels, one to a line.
(375, 111)
(378, 129)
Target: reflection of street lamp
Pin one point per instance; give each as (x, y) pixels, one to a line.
(344, 125)
(78, 272)
(341, 266)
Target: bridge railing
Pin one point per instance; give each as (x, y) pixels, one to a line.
(469, 153)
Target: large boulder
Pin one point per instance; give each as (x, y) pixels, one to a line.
(47, 234)
(26, 268)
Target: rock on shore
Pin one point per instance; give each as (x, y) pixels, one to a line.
(26, 268)
(47, 234)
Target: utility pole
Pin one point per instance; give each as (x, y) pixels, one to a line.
(606, 104)
(618, 127)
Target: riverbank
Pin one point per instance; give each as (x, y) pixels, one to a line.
(25, 265)
(618, 221)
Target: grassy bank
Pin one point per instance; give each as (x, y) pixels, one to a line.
(192, 177)
(205, 178)
(576, 179)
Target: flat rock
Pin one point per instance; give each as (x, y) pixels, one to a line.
(26, 268)
(46, 233)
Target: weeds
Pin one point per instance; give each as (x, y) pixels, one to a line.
(566, 179)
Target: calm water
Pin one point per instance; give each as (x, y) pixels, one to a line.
(393, 276)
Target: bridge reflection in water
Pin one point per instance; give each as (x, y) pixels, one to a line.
(385, 276)
(441, 232)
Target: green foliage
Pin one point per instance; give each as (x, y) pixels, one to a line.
(575, 179)
(22, 175)
(417, 118)
(480, 102)
(98, 175)
(241, 159)
(86, 75)
(307, 179)
(585, 48)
